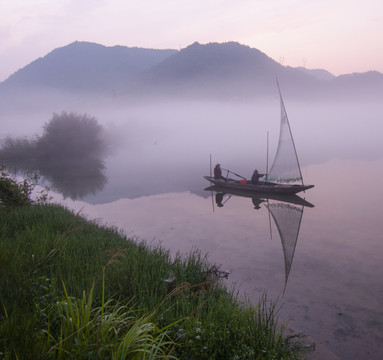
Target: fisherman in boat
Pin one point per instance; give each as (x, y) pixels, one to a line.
(255, 177)
(218, 172)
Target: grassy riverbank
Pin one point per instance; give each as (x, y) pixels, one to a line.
(72, 289)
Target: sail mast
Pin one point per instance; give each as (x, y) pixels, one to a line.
(284, 115)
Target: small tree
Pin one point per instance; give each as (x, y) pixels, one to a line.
(69, 135)
(70, 149)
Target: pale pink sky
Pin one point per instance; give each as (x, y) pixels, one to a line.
(341, 36)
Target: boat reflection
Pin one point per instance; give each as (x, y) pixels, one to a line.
(285, 210)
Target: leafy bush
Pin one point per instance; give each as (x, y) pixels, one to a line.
(69, 151)
(70, 135)
(13, 193)
(19, 193)
(66, 136)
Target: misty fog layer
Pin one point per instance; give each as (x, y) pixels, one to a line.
(166, 146)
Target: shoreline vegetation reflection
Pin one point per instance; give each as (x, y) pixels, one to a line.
(69, 155)
(285, 210)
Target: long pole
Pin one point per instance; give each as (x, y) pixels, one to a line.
(267, 156)
(229, 171)
(210, 165)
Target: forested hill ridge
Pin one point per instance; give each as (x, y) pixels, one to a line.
(215, 70)
(84, 66)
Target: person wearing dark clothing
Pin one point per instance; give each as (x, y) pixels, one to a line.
(218, 172)
(256, 176)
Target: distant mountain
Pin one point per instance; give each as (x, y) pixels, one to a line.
(220, 70)
(229, 71)
(368, 85)
(84, 66)
(318, 73)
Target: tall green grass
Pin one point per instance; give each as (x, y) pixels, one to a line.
(72, 289)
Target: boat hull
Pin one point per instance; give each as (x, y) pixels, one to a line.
(265, 187)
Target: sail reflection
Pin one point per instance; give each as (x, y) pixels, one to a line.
(285, 210)
(288, 218)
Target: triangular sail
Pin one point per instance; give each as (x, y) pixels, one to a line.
(285, 168)
(288, 219)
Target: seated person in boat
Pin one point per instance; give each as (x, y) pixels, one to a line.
(255, 177)
(218, 172)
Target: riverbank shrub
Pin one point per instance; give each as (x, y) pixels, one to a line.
(13, 192)
(70, 288)
(71, 148)
(66, 137)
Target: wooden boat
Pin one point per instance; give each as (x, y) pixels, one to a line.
(285, 176)
(267, 187)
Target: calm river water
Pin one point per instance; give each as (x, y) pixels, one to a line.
(155, 191)
(335, 286)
